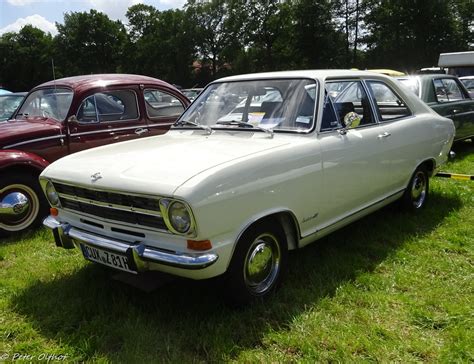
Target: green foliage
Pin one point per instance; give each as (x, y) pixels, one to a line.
(25, 59)
(208, 39)
(407, 34)
(89, 43)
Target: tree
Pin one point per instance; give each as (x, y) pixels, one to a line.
(318, 43)
(89, 43)
(160, 44)
(408, 35)
(25, 59)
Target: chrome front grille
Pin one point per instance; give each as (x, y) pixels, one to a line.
(105, 205)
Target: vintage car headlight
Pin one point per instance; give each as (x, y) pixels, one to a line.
(51, 194)
(179, 217)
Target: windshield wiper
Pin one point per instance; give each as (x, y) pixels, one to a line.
(247, 125)
(184, 122)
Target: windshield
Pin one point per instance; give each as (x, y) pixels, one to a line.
(8, 105)
(47, 103)
(279, 104)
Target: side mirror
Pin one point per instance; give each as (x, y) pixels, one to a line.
(351, 120)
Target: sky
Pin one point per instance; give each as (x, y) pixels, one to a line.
(43, 14)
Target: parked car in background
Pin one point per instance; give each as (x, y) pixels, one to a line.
(448, 97)
(191, 93)
(468, 82)
(9, 103)
(221, 195)
(69, 115)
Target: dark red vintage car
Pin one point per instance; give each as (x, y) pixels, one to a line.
(69, 115)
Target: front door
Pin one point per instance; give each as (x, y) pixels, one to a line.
(106, 117)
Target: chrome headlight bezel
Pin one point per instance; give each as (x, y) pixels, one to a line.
(50, 192)
(166, 206)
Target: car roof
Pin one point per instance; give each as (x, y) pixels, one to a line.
(103, 80)
(427, 76)
(313, 74)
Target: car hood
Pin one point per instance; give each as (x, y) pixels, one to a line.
(157, 165)
(17, 131)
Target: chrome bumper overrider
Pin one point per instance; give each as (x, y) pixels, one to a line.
(141, 255)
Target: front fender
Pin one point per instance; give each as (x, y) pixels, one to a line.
(17, 158)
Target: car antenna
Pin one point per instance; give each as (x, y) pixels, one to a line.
(54, 75)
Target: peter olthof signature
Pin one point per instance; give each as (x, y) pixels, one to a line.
(46, 357)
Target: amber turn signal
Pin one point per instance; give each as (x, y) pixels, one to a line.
(54, 211)
(199, 245)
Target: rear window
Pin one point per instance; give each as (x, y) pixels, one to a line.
(389, 105)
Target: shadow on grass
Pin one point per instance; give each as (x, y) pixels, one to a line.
(463, 149)
(186, 321)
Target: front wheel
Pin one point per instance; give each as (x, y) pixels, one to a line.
(258, 264)
(22, 204)
(416, 194)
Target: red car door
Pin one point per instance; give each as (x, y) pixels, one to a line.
(107, 116)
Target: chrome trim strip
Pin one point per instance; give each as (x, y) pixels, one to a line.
(33, 141)
(116, 223)
(112, 206)
(141, 253)
(111, 130)
(160, 124)
(87, 187)
(354, 213)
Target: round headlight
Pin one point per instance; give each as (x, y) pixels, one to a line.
(179, 217)
(51, 194)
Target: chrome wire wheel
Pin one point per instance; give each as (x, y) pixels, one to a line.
(262, 264)
(419, 187)
(19, 207)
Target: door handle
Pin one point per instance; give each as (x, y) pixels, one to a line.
(384, 135)
(455, 111)
(140, 131)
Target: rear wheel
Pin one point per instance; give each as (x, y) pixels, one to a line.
(258, 265)
(416, 194)
(22, 203)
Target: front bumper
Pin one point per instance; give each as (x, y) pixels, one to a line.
(142, 257)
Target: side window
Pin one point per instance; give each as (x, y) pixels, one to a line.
(451, 89)
(160, 104)
(329, 121)
(389, 104)
(106, 106)
(350, 96)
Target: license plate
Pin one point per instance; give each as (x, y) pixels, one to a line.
(104, 257)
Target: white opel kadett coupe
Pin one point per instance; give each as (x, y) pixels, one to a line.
(258, 165)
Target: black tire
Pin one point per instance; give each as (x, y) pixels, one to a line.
(264, 240)
(417, 191)
(31, 213)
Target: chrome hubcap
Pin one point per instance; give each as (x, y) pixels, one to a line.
(418, 189)
(262, 263)
(19, 207)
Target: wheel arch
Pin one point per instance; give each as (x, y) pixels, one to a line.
(430, 165)
(285, 218)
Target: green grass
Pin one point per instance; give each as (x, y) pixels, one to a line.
(393, 287)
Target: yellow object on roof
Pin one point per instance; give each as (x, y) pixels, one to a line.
(388, 72)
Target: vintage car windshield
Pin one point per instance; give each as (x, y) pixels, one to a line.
(47, 103)
(8, 105)
(277, 104)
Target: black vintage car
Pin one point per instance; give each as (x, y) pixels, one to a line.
(447, 95)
